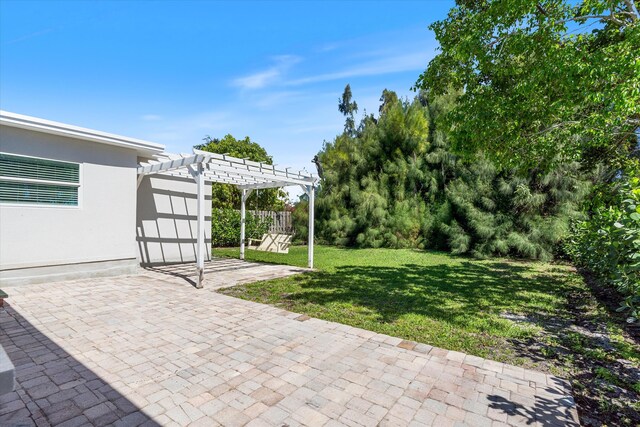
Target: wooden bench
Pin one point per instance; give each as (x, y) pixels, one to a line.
(272, 242)
(3, 295)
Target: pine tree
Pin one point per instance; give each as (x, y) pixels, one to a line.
(348, 108)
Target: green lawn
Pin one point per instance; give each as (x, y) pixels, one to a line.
(435, 298)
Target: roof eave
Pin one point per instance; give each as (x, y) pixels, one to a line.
(143, 148)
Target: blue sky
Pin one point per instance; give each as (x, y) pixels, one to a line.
(173, 72)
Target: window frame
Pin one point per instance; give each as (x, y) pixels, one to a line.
(77, 185)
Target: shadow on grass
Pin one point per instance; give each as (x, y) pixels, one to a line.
(458, 294)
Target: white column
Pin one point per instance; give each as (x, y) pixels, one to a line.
(201, 234)
(242, 221)
(311, 194)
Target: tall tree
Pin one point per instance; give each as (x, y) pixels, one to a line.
(348, 107)
(388, 99)
(544, 81)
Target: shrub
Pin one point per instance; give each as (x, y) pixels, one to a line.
(608, 242)
(300, 219)
(225, 227)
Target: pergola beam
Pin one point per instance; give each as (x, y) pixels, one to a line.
(272, 184)
(168, 165)
(248, 172)
(234, 162)
(208, 177)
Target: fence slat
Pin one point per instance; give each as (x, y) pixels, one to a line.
(281, 221)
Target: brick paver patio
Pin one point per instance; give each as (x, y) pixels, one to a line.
(150, 349)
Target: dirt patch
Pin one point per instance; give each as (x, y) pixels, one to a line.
(591, 345)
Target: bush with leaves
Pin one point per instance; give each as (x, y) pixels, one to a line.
(492, 212)
(300, 220)
(608, 242)
(541, 82)
(225, 227)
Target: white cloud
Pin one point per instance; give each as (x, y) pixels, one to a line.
(258, 80)
(270, 75)
(151, 118)
(30, 36)
(329, 47)
(392, 64)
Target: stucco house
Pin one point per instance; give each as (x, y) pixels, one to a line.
(76, 202)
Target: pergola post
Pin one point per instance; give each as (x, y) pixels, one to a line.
(243, 218)
(243, 214)
(311, 194)
(200, 255)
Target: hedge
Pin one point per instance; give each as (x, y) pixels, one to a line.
(225, 227)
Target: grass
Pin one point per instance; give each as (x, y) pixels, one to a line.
(537, 315)
(430, 297)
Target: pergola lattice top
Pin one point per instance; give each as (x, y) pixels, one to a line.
(243, 173)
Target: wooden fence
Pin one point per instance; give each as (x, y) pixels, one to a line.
(281, 221)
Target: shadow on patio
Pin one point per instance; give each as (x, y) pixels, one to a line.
(223, 272)
(552, 408)
(52, 387)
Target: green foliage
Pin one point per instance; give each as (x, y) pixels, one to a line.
(608, 242)
(300, 220)
(225, 226)
(226, 196)
(348, 108)
(396, 183)
(544, 81)
(500, 213)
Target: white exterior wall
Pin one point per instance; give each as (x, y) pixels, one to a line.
(166, 225)
(101, 228)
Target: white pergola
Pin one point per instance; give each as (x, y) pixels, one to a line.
(247, 175)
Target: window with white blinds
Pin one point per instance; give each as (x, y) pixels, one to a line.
(31, 180)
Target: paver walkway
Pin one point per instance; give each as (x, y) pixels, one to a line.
(151, 349)
(225, 272)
